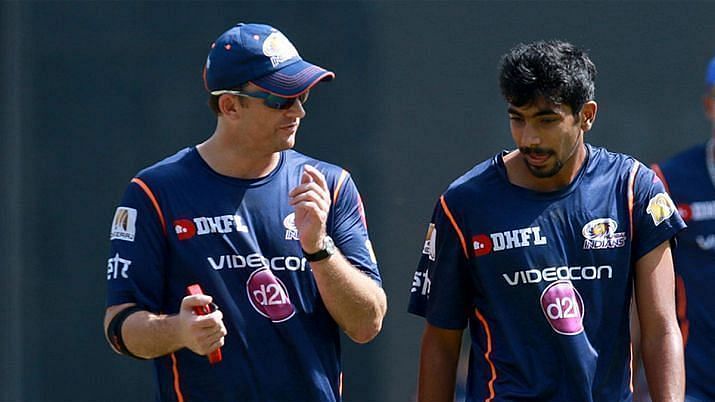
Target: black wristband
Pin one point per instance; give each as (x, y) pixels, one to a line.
(114, 331)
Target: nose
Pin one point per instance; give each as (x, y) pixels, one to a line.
(530, 136)
(296, 109)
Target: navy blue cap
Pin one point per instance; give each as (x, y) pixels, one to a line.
(260, 54)
(710, 73)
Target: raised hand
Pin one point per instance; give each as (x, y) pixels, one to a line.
(311, 200)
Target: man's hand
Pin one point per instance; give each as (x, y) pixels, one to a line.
(202, 334)
(311, 200)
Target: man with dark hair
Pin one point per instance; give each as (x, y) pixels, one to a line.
(689, 177)
(277, 240)
(539, 250)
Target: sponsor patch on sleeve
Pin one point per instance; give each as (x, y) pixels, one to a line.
(124, 224)
(429, 246)
(660, 208)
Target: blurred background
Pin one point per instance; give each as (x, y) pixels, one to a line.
(94, 91)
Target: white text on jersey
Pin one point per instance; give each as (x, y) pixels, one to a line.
(517, 238)
(255, 260)
(551, 274)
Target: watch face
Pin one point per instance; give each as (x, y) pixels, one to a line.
(329, 245)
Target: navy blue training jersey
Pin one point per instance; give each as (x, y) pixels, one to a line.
(544, 279)
(181, 223)
(690, 179)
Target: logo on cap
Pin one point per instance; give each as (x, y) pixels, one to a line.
(278, 48)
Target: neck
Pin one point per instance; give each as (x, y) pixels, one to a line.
(236, 160)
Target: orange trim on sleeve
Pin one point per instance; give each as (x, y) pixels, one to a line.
(661, 176)
(681, 304)
(487, 355)
(175, 370)
(630, 368)
(341, 181)
(340, 386)
(631, 195)
(150, 194)
(454, 224)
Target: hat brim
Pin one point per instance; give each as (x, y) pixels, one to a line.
(293, 79)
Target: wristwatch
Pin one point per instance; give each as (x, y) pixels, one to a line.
(325, 252)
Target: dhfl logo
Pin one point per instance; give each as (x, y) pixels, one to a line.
(685, 211)
(184, 228)
(507, 240)
(481, 244)
(188, 228)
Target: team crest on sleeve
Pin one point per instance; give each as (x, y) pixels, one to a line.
(601, 234)
(291, 229)
(429, 248)
(660, 208)
(124, 224)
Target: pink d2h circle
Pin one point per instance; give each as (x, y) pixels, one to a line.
(563, 307)
(268, 295)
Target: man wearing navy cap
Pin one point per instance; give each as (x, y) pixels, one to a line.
(690, 178)
(276, 240)
(540, 249)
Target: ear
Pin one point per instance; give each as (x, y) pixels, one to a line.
(229, 106)
(709, 106)
(588, 115)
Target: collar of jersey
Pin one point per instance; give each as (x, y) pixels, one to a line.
(236, 181)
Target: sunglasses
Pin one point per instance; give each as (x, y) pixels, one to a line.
(270, 100)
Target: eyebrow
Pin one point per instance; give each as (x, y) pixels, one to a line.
(542, 112)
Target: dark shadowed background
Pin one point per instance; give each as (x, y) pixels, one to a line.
(94, 91)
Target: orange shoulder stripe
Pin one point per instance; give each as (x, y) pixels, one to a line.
(151, 196)
(658, 172)
(341, 181)
(454, 224)
(631, 194)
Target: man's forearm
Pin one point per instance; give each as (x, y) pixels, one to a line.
(150, 335)
(144, 334)
(354, 300)
(439, 357)
(664, 366)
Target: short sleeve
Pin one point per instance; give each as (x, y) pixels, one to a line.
(350, 228)
(441, 287)
(655, 216)
(136, 263)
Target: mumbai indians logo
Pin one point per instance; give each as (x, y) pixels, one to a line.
(601, 234)
(660, 208)
(278, 48)
(291, 229)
